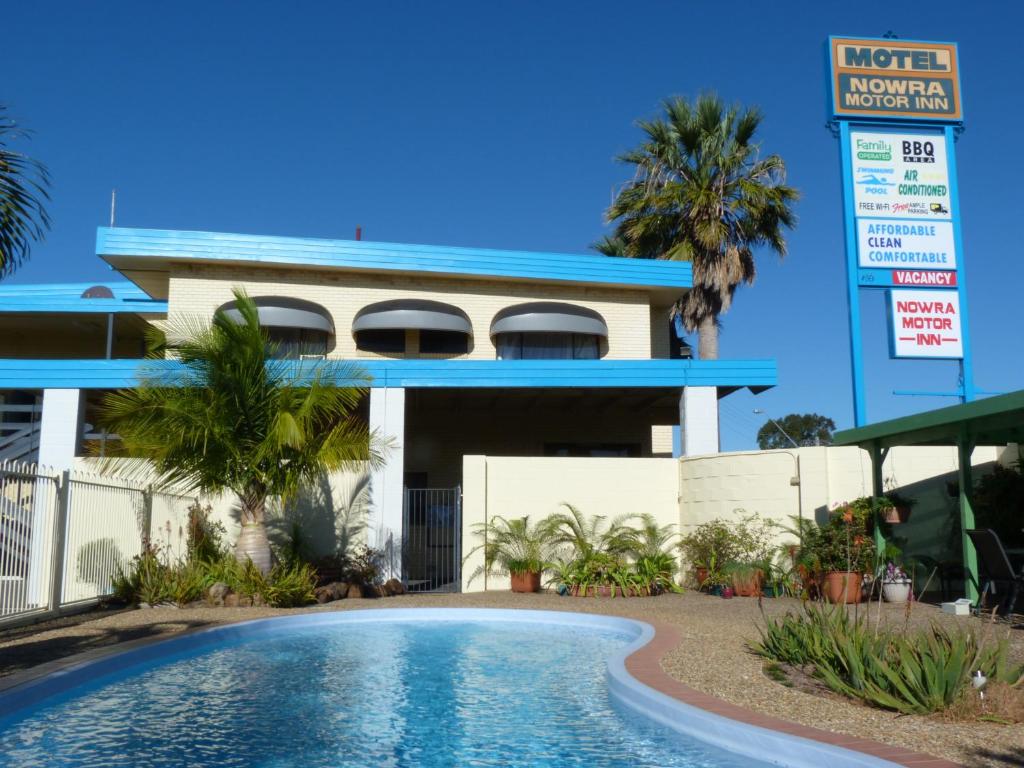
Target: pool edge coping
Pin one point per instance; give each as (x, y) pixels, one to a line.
(644, 666)
(640, 662)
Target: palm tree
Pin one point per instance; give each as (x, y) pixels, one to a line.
(702, 193)
(233, 418)
(589, 537)
(23, 193)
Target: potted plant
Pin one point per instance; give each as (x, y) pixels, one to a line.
(513, 547)
(895, 584)
(707, 544)
(845, 553)
(746, 579)
(899, 508)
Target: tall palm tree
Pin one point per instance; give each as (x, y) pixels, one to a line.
(233, 418)
(702, 193)
(23, 193)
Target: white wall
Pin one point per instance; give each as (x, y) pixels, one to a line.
(536, 486)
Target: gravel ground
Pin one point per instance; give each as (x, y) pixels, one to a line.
(712, 658)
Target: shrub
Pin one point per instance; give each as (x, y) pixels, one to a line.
(289, 586)
(146, 580)
(205, 537)
(912, 672)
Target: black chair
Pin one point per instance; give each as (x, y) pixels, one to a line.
(996, 563)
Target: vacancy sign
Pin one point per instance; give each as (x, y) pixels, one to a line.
(926, 323)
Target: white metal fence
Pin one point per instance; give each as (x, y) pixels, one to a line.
(63, 536)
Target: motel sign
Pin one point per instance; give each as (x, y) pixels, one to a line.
(896, 107)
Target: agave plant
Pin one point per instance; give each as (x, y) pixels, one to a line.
(915, 672)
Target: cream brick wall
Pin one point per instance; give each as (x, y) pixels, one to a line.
(198, 290)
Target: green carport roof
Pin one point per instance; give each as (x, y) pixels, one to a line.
(992, 421)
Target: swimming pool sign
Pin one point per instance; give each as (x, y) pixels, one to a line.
(925, 324)
(894, 79)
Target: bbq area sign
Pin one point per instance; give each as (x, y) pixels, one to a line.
(895, 107)
(925, 324)
(894, 79)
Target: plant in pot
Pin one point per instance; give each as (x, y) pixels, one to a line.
(895, 584)
(513, 547)
(705, 545)
(746, 578)
(845, 553)
(899, 508)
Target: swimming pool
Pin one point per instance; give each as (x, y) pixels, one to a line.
(407, 687)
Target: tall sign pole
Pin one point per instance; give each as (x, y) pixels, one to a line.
(897, 107)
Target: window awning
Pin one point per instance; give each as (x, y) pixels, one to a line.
(285, 312)
(548, 317)
(421, 314)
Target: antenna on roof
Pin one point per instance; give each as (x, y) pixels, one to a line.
(113, 206)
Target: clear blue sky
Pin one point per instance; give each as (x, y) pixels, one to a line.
(497, 125)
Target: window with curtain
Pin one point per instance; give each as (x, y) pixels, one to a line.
(548, 346)
(293, 343)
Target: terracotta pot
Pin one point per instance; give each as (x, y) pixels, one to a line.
(843, 586)
(605, 590)
(748, 587)
(701, 574)
(526, 581)
(903, 513)
(891, 515)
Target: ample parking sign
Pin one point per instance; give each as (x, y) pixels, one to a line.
(926, 324)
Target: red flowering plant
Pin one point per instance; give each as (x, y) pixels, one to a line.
(843, 544)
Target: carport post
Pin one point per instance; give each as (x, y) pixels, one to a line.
(877, 460)
(964, 451)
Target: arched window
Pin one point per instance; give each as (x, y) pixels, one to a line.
(381, 327)
(295, 328)
(547, 330)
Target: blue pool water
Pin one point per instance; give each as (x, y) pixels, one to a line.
(361, 694)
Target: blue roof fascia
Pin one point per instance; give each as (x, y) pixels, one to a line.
(390, 257)
(523, 374)
(50, 298)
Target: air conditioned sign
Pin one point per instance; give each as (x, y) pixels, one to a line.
(900, 175)
(895, 79)
(910, 244)
(925, 323)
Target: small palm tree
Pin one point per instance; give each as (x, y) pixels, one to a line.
(589, 537)
(511, 546)
(702, 193)
(23, 193)
(233, 418)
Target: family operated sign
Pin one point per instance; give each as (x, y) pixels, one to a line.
(897, 106)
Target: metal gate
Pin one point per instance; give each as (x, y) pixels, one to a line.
(432, 539)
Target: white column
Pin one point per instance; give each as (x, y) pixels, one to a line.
(60, 428)
(698, 420)
(387, 421)
(59, 431)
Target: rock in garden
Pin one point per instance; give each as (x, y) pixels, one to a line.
(217, 593)
(230, 600)
(394, 587)
(355, 590)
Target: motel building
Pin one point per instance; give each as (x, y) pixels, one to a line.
(471, 352)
